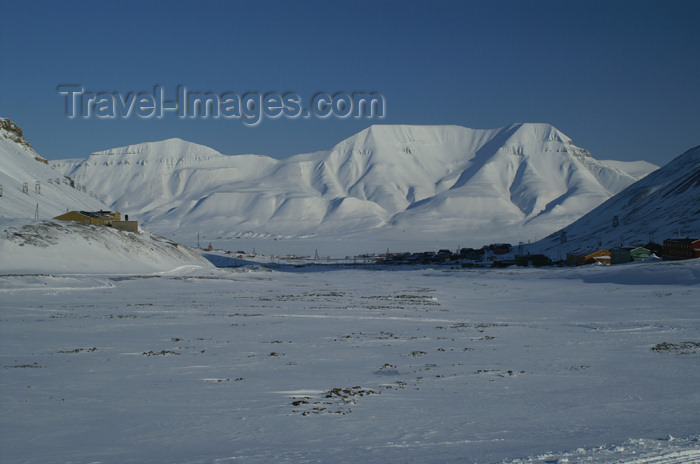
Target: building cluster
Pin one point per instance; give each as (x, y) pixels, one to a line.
(503, 255)
(465, 257)
(671, 249)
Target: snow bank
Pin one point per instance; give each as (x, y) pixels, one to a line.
(659, 273)
(50, 247)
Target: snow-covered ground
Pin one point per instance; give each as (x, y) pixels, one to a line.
(334, 364)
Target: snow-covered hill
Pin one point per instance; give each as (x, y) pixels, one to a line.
(56, 247)
(46, 188)
(28, 245)
(445, 182)
(663, 205)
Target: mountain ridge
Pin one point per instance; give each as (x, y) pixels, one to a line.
(528, 178)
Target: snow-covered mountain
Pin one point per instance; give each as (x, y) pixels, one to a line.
(46, 188)
(438, 181)
(663, 205)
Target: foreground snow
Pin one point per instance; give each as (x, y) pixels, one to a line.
(669, 450)
(334, 364)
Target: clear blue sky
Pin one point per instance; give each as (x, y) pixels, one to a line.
(621, 78)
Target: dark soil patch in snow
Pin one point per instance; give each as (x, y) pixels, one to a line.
(160, 353)
(79, 350)
(336, 401)
(24, 366)
(678, 348)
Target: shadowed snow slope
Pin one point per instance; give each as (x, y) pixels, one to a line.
(447, 181)
(660, 206)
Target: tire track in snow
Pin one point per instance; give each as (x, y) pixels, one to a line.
(676, 457)
(640, 451)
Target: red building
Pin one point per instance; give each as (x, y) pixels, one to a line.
(681, 248)
(500, 248)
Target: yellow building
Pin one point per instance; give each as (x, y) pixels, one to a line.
(580, 257)
(103, 218)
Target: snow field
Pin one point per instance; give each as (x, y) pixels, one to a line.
(206, 365)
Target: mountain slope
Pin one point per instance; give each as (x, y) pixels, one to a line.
(449, 181)
(20, 164)
(659, 206)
